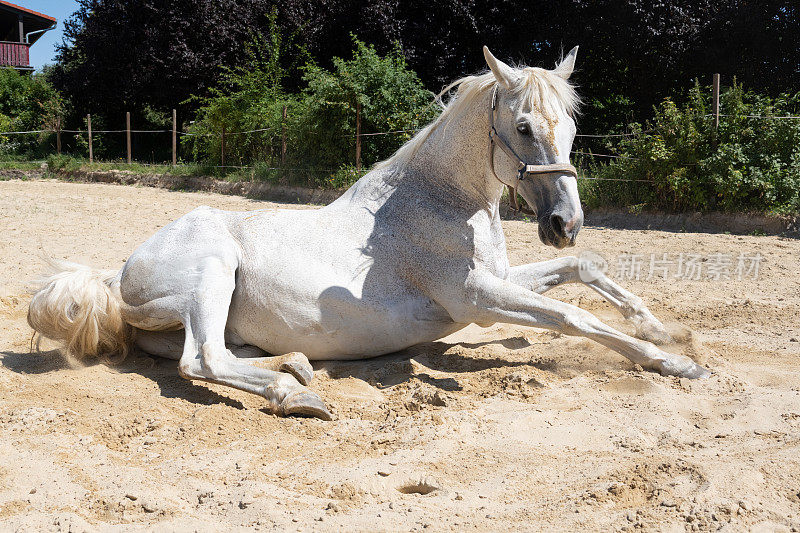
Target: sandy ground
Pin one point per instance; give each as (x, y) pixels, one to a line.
(504, 428)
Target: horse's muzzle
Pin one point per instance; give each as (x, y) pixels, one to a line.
(559, 231)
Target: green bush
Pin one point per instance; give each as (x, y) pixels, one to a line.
(392, 99)
(320, 123)
(345, 175)
(64, 163)
(248, 98)
(748, 164)
(27, 103)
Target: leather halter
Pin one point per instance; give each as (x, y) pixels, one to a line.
(524, 170)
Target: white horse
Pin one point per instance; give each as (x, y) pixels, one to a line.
(412, 252)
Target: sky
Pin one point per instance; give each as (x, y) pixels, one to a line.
(44, 50)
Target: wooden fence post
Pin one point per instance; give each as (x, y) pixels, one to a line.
(58, 135)
(283, 137)
(174, 137)
(716, 101)
(358, 136)
(128, 133)
(222, 151)
(89, 129)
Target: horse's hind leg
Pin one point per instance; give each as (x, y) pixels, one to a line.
(169, 345)
(541, 277)
(166, 344)
(294, 363)
(205, 356)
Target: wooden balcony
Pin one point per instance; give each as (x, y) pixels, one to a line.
(15, 55)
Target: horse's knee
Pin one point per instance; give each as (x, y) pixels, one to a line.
(578, 323)
(188, 369)
(572, 263)
(209, 363)
(214, 359)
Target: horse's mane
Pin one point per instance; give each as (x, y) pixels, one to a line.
(543, 89)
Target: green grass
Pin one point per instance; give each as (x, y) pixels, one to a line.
(20, 165)
(18, 162)
(70, 164)
(260, 172)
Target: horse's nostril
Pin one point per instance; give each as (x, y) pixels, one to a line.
(557, 223)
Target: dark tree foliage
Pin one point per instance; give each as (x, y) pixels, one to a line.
(130, 54)
(135, 54)
(633, 52)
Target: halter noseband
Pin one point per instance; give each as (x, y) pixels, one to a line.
(524, 170)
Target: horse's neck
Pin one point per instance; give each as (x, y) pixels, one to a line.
(455, 159)
(450, 167)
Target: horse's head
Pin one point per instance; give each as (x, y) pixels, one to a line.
(534, 125)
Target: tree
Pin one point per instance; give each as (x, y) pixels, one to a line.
(127, 55)
(633, 52)
(390, 95)
(321, 122)
(27, 103)
(248, 97)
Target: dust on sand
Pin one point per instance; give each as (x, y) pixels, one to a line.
(503, 428)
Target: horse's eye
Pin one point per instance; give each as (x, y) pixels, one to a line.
(523, 128)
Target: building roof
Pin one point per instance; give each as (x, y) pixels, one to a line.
(27, 11)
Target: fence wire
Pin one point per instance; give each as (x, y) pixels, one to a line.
(592, 154)
(285, 169)
(261, 130)
(764, 117)
(374, 134)
(327, 170)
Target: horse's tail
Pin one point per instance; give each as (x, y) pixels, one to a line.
(77, 307)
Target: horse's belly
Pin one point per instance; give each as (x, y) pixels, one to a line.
(338, 325)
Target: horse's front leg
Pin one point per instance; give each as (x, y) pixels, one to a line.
(541, 277)
(488, 299)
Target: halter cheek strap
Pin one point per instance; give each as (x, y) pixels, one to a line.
(524, 170)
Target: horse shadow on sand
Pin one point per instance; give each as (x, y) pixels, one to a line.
(414, 363)
(163, 372)
(425, 362)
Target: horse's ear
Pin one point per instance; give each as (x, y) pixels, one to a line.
(504, 74)
(567, 65)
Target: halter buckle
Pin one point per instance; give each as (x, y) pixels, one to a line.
(521, 172)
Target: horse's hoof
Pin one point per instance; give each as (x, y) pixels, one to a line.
(303, 402)
(653, 331)
(696, 372)
(299, 367)
(683, 367)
